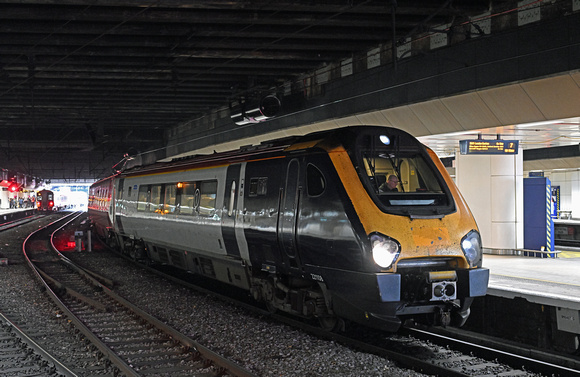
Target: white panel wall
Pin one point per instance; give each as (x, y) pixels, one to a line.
(493, 188)
(4, 199)
(472, 176)
(569, 182)
(575, 194)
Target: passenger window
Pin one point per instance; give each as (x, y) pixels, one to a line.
(142, 199)
(170, 198)
(187, 204)
(208, 193)
(155, 204)
(314, 180)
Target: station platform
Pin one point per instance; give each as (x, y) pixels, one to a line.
(7, 215)
(546, 281)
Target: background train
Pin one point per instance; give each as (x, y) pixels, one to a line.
(45, 200)
(306, 225)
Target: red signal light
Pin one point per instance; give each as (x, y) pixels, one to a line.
(13, 187)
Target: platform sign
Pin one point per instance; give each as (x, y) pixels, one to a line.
(480, 146)
(555, 201)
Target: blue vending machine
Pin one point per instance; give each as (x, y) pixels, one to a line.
(538, 222)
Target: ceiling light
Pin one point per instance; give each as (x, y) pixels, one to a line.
(534, 124)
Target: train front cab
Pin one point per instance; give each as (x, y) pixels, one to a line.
(45, 200)
(422, 238)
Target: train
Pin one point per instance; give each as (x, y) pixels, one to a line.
(45, 200)
(307, 225)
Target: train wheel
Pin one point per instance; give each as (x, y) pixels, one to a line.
(270, 307)
(331, 324)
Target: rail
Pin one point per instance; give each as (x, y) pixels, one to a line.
(128, 316)
(20, 353)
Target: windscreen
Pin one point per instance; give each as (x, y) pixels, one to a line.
(399, 174)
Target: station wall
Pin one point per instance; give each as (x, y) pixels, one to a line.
(492, 185)
(569, 182)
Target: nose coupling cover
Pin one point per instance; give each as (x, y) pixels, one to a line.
(443, 285)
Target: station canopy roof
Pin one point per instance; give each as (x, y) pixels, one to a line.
(84, 82)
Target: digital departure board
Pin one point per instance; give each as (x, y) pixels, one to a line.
(480, 146)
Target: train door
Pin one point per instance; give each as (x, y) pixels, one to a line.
(232, 214)
(288, 220)
(116, 197)
(240, 214)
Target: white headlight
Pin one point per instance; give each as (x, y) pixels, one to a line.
(385, 139)
(385, 250)
(471, 246)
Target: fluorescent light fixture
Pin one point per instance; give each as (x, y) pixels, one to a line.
(535, 124)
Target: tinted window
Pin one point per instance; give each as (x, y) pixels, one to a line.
(399, 173)
(258, 186)
(142, 199)
(169, 202)
(155, 204)
(188, 205)
(315, 180)
(208, 193)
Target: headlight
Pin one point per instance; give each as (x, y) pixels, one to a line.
(471, 246)
(385, 250)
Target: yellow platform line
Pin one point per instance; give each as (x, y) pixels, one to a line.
(569, 254)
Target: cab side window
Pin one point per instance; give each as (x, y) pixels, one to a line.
(315, 182)
(258, 186)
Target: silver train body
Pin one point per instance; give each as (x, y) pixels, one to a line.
(304, 225)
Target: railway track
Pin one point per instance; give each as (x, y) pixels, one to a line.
(548, 364)
(11, 225)
(421, 354)
(427, 352)
(20, 355)
(135, 342)
(443, 353)
(417, 351)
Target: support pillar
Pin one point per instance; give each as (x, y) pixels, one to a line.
(493, 187)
